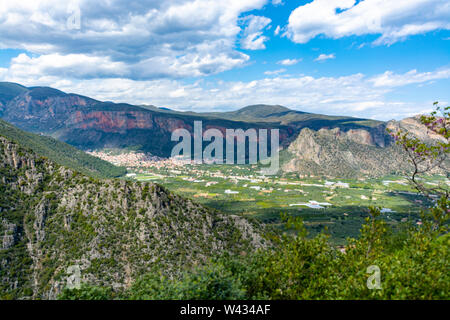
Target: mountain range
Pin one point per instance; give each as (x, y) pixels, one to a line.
(314, 144)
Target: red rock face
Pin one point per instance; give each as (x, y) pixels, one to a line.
(171, 125)
(111, 121)
(122, 121)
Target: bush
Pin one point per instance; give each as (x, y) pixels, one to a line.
(213, 282)
(86, 292)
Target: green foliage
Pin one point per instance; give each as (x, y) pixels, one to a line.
(301, 268)
(212, 282)
(87, 292)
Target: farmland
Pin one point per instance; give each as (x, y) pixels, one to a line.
(340, 205)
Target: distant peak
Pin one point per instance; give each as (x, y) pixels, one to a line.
(264, 111)
(44, 92)
(9, 90)
(265, 107)
(12, 84)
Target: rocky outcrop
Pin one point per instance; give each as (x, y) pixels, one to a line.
(9, 237)
(334, 153)
(355, 152)
(415, 128)
(372, 137)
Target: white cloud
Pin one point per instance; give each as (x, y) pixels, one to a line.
(393, 20)
(277, 2)
(289, 62)
(277, 30)
(82, 66)
(70, 66)
(274, 72)
(324, 57)
(253, 38)
(389, 79)
(153, 39)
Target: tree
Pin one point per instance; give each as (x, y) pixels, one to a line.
(427, 156)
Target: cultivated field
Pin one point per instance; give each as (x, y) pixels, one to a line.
(338, 205)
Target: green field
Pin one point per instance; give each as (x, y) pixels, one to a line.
(238, 190)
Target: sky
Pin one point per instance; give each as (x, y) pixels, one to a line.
(378, 59)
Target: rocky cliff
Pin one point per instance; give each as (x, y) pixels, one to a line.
(334, 153)
(355, 152)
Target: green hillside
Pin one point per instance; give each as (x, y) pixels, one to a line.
(61, 153)
(286, 116)
(276, 115)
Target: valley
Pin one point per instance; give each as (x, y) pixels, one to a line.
(88, 184)
(340, 205)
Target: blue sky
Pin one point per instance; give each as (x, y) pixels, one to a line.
(377, 59)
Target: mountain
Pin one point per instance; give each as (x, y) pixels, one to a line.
(53, 218)
(40, 109)
(90, 124)
(334, 153)
(280, 115)
(317, 144)
(253, 113)
(61, 153)
(353, 153)
(9, 91)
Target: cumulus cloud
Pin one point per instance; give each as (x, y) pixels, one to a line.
(289, 62)
(81, 66)
(324, 57)
(146, 39)
(70, 66)
(253, 38)
(393, 20)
